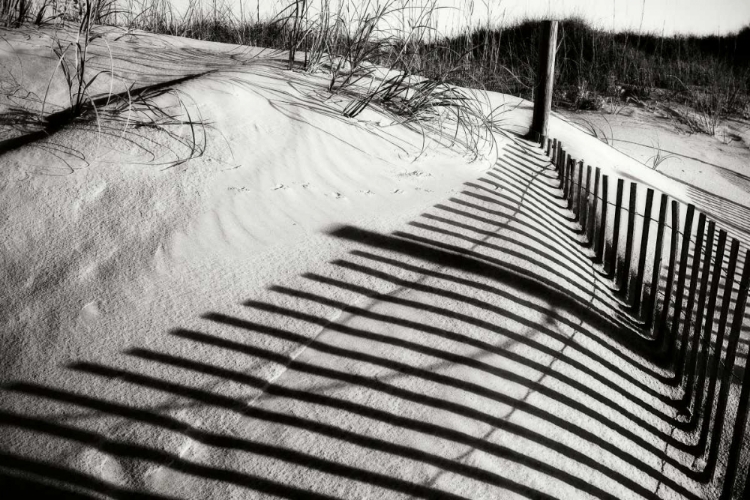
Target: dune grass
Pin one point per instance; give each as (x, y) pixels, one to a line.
(596, 69)
(29, 118)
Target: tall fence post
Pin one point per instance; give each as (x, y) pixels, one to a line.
(545, 81)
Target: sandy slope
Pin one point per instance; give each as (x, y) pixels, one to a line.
(121, 231)
(253, 322)
(106, 248)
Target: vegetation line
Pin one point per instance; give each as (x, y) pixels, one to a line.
(55, 122)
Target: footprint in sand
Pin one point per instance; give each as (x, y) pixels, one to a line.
(414, 173)
(90, 312)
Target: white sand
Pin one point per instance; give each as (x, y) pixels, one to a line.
(117, 261)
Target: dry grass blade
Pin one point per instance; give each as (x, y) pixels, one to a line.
(659, 157)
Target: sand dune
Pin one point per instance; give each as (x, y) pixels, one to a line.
(314, 307)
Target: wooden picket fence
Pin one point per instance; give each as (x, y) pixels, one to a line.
(675, 313)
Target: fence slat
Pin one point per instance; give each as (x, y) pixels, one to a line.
(571, 180)
(624, 269)
(584, 209)
(555, 151)
(601, 228)
(566, 179)
(637, 288)
(591, 218)
(580, 191)
(660, 326)
(681, 278)
(611, 260)
(648, 307)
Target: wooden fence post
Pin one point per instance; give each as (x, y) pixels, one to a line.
(584, 212)
(591, 218)
(648, 309)
(554, 151)
(562, 174)
(571, 189)
(565, 179)
(624, 271)
(610, 264)
(681, 278)
(545, 81)
(637, 288)
(561, 155)
(660, 327)
(580, 191)
(601, 231)
(571, 181)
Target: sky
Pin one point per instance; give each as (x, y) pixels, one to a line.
(671, 16)
(655, 16)
(667, 16)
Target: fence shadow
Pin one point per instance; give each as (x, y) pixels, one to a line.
(477, 352)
